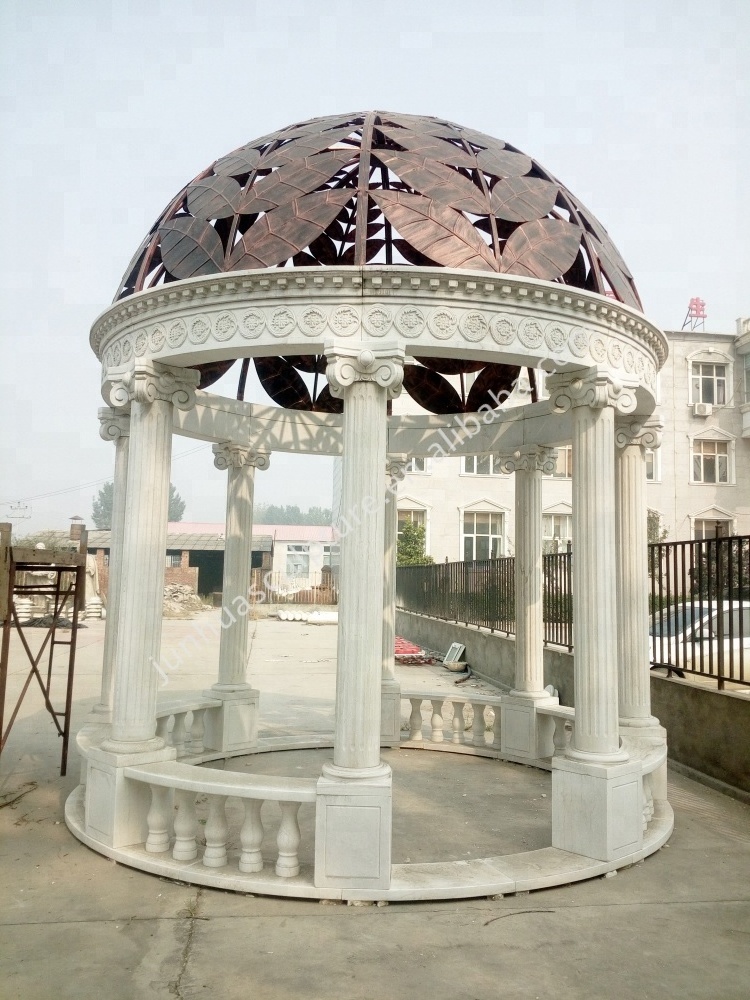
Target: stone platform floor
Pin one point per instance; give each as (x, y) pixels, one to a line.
(75, 924)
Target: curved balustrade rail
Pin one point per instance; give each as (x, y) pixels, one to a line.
(174, 788)
(484, 733)
(187, 724)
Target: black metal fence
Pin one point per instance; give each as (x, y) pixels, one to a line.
(699, 602)
(483, 593)
(700, 608)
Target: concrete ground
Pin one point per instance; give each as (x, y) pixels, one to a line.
(75, 924)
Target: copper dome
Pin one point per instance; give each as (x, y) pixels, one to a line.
(378, 188)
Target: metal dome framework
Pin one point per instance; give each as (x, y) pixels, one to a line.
(380, 189)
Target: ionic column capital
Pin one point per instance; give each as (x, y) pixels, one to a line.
(395, 467)
(148, 381)
(593, 387)
(233, 456)
(113, 424)
(646, 433)
(348, 364)
(532, 458)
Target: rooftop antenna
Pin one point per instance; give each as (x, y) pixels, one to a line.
(695, 319)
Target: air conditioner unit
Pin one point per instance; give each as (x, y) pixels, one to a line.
(702, 409)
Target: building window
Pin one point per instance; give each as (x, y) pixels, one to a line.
(558, 529)
(412, 517)
(418, 465)
(653, 465)
(709, 383)
(482, 465)
(564, 466)
(710, 461)
(174, 559)
(298, 560)
(483, 535)
(331, 555)
(703, 529)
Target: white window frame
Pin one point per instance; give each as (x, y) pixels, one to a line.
(484, 505)
(712, 514)
(715, 434)
(494, 464)
(562, 509)
(655, 454)
(410, 503)
(424, 461)
(564, 455)
(711, 356)
(298, 549)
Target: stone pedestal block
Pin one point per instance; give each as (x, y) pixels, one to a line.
(524, 735)
(233, 726)
(597, 809)
(353, 832)
(390, 713)
(116, 807)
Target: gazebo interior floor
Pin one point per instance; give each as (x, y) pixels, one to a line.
(446, 807)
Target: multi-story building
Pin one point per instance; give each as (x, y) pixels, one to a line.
(698, 481)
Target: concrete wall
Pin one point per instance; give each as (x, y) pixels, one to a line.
(707, 730)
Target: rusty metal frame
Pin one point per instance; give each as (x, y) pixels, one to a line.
(68, 585)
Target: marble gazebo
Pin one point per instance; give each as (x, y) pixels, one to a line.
(352, 258)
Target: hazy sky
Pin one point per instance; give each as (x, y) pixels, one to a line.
(107, 109)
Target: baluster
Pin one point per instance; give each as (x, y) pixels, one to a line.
(560, 735)
(287, 865)
(157, 820)
(458, 722)
(251, 837)
(496, 735)
(477, 726)
(437, 720)
(648, 801)
(197, 730)
(178, 733)
(162, 728)
(415, 719)
(217, 829)
(185, 826)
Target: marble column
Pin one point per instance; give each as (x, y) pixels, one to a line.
(365, 379)
(634, 677)
(390, 707)
(522, 734)
(594, 399)
(241, 464)
(152, 390)
(597, 794)
(353, 808)
(114, 426)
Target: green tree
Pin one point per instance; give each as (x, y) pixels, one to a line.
(270, 513)
(656, 530)
(411, 545)
(101, 508)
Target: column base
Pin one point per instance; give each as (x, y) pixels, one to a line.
(102, 710)
(115, 808)
(524, 735)
(647, 728)
(152, 745)
(390, 713)
(353, 830)
(597, 809)
(234, 725)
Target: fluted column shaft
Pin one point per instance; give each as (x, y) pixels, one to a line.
(363, 379)
(238, 553)
(632, 572)
(594, 581)
(114, 427)
(152, 390)
(528, 464)
(395, 469)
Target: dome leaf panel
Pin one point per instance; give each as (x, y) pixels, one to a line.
(190, 247)
(306, 145)
(294, 179)
(435, 180)
(544, 249)
(493, 378)
(431, 390)
(503, 162)
(214, 198)
(523, 199)
(429, 146)
(436, 230)
(287, 230)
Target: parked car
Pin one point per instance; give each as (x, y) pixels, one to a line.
(708, 637)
